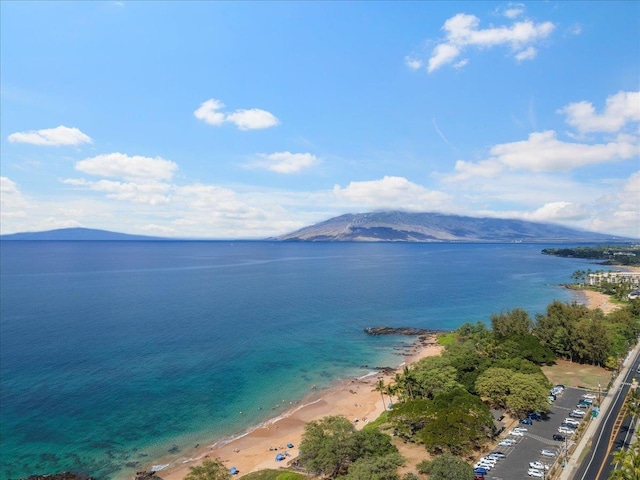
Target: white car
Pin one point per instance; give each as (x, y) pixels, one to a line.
(589, 396)
(538, 466)
(517, 433)
(532, 472)
(521, 429)
(547, 453)
(506, 443)
(578, 413)
(486, 466)
(565, 430)
(571, 421)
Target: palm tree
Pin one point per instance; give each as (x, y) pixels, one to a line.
(381, 387)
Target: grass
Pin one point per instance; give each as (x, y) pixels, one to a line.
(577, 375)
(446, 339)
(274, 475)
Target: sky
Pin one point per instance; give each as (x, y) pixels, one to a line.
(249, 120)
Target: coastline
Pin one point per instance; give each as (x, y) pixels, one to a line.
(256, 449)
(593, 299)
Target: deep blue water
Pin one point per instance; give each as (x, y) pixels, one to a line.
(112, 354)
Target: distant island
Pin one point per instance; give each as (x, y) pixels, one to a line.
(394, 226)
(608, 254)
(78, 235)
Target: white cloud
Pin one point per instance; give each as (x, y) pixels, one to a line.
(12, 203)
(244, 119)
(513, 10)
(527, 54)
(621, 108)
(462, 31)
(124, 166)
(208, 112)
(149, 193)
(253, 118)
(51, 137)
(413, 63)
(392, 193)
(543, 152)
(286, 162)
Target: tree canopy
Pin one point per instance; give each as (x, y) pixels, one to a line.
(208, 470)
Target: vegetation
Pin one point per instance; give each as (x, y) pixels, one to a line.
(446, 467)
(443, 402)
(333, 448)
(269, 474)
(609, 254)
(581, 335)
(209, 470)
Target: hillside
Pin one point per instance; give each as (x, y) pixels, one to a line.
(76, 234)
(436, 227)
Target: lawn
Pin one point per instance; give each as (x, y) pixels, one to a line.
(577, 375)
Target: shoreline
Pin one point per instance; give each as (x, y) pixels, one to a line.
(256, 449)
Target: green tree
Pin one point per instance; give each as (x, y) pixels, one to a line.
(409, 417)
(382, 388)
(528, 392)
(327, 446)
(627, 463)
(513, 322)
(592, 343)
(208, 470)
(383, 467)
(434, 375)
(449, 467)
(495, 385)
(458, 422)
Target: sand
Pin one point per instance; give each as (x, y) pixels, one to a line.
(603, 301)
(352, 398)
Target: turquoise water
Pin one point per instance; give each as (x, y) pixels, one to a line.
(115, 354)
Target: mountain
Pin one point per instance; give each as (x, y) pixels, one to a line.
(436, 227)
(76, 234)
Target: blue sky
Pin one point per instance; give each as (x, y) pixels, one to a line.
(253, 119)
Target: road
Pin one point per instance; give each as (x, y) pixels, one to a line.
(609, 437)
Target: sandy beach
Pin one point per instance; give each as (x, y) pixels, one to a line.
(354, 399)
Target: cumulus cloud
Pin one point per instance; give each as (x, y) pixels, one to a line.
(51, 137)
(285, 162)
(543, 152)
(245, 119)
(413, 63)
(621, 108)
(208, 112)
(463, 31)
(149, 193)
(391, 192)
(13, 204)
(125, 166)
(513, 10)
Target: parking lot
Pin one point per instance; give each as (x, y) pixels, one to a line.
(538, 437)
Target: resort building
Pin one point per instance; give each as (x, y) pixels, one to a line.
(597, 279)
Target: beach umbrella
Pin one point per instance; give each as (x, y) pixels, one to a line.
(289, 445)
(233, 470)
(279, 457)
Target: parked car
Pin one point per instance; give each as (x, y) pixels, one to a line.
(526, 421)
(498, 454)
(577, 413)
(572, 421)
(565, 430)
(534, 416)
(532, 472)
(547, 453)
(538, 466)
(557, 436)
(589, 396)
(517, 433)
(521, 429)
(507, 442)
(480, 471)
(586, 401)
(583, 405)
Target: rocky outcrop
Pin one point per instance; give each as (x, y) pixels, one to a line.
(146, 476)
(414, 332)
(59, 476)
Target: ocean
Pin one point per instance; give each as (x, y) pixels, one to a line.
(115, 354)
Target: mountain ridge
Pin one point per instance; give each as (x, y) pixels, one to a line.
(398, 226)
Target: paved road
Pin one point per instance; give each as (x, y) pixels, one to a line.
(597, 465)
